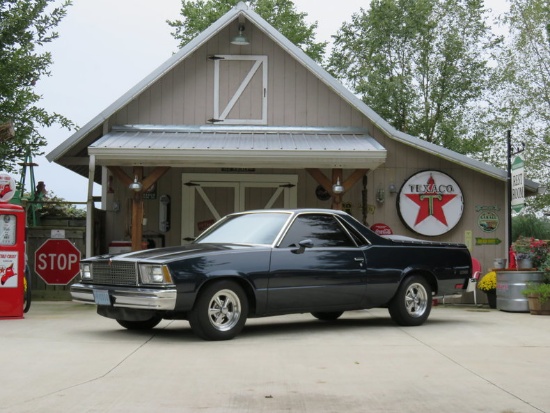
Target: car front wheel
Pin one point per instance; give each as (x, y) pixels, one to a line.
(220, 311)
(412, 303)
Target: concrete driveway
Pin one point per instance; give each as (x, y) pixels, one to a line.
(64, 358)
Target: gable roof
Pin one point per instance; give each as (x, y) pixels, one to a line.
(242, 10)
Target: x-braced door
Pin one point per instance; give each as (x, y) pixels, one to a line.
(208, 197)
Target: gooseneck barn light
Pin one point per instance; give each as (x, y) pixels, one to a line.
(240, 39)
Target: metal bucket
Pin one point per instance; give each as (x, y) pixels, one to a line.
(510, 284)
(499, 263)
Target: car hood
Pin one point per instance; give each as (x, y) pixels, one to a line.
(175, 253)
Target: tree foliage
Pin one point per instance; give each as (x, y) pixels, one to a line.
(522, 103)
(197, 15)
(530, 226)
(420, 64)
(25, 27)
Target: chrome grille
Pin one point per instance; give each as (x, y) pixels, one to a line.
(114, 273)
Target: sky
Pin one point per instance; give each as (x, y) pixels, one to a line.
(105, 47)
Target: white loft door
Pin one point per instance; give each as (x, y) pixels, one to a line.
(240, 90)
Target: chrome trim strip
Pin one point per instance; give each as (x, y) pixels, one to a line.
(141, 298)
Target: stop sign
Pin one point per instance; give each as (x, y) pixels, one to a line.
(57, 261)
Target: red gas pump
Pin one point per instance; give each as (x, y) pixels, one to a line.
(12, 251)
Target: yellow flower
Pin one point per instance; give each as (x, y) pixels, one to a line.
(488, 282)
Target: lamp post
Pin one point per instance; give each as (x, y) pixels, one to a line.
(511, 152)
(509, 186)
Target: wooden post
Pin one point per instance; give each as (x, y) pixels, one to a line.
(137, 212)
(364, 199)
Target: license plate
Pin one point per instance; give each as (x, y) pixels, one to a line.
(101, 297)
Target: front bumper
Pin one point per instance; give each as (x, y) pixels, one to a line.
(126, 297)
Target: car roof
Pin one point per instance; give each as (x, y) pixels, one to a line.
(293, 211)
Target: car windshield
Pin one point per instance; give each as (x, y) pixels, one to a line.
(256, 228)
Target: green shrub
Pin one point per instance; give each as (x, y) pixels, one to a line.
(542, 290)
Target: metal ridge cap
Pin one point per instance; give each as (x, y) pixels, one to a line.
(229, 152)
(240, 129)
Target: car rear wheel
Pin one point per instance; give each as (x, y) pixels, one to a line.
(220, 311)
(412, 303)
(327, 316)
(140, 325)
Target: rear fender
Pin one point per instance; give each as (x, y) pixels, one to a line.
(422, 272)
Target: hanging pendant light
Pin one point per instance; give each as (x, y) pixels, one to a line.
(337, 188)
(136, 185)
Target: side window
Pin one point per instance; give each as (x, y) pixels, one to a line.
(358, 238)
(323, 230)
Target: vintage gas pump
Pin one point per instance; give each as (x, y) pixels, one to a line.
(12, 251)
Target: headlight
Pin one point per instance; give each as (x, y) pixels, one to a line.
(86, 272)
(154, 274)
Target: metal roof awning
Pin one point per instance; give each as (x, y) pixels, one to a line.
(254, 147)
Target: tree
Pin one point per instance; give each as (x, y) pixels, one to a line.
(523, 102)
(530, 226)
(420, 64)
(197, 15)
(25, 27)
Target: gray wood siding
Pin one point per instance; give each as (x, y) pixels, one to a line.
(184, 95)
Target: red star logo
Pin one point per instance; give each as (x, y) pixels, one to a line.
(431, 203)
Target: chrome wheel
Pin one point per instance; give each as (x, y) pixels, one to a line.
(412, 303)
(220, 311)
(416, 300)
(224, 310)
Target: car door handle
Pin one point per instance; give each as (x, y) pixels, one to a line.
(358, 259)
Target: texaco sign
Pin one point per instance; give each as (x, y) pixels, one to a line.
(430, 203)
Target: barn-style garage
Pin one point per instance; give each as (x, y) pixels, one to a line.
(223, 127)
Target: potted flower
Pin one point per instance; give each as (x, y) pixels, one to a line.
(488, 284)
(522, 248)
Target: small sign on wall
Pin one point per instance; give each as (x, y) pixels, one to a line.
(57, 234)
(346, 207)
(468, 239)
(487, 241)
(151, 192)
(488, 221)
(381, 229)
(201, 226)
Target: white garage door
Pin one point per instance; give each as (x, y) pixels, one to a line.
(208, 197)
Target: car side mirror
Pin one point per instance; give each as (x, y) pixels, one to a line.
(305, 243)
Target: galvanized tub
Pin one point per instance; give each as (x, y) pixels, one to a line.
(510, 284)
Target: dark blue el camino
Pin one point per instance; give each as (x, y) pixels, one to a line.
(271, 262)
